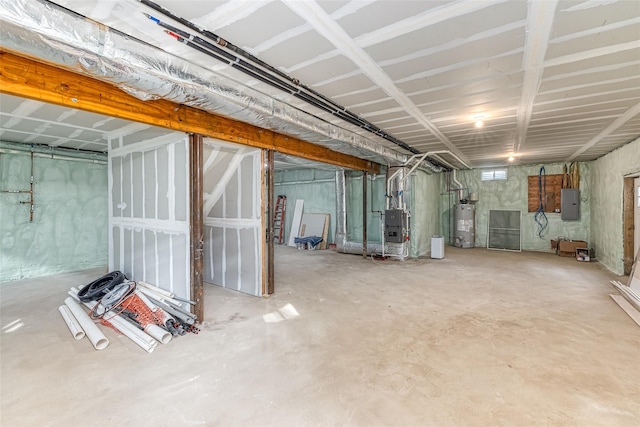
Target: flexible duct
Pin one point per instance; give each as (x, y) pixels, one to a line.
(55, 35)
(72, 323)
(97, 338)
(355, 248)
(261, 71)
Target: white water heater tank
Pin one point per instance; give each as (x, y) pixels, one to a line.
(464, 220)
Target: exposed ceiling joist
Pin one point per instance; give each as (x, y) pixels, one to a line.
(422, 71)
(616, 124)
(24, 77)
(539, 25)
(318, 18)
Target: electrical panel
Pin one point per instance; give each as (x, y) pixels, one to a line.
(570, 204)
(395, 226)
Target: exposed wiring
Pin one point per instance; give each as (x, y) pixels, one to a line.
(113, 300)
(223, 50)
(95, 290)
(540, 217)
(574, 171)
(571, 175)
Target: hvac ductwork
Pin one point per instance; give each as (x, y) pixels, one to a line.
(342, 244)
(57, 153)
(44, 30)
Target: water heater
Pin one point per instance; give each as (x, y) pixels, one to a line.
(464, 220)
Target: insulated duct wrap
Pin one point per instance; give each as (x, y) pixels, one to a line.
(43, 30)
(342, 244)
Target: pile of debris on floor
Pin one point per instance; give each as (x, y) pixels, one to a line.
(146, 314)
(629, 298)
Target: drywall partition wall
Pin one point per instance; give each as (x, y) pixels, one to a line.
(512, 194)
(376, 189)
(149, 210)
(425, 197)
(607, 175)
(316, 187)
(70, 221)
(233, 227)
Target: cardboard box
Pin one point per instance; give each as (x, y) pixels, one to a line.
(582, 254)
(568, 247)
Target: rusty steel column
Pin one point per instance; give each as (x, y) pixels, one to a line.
(270, 246)
(364, 214)
(196, 223)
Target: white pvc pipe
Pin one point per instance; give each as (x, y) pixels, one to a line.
(146, 342)
(156, 289)
(97, 338)
(151, 306)
(72, 323)
(160, 297)
(174, 312)
(158, 333)
(142, 339)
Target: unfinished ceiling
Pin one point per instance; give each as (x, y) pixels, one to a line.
(550, 80)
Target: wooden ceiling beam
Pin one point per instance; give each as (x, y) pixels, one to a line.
(27, 78)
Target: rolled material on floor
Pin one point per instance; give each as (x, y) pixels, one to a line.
(73, 325)
(158, 333)
(97, 338)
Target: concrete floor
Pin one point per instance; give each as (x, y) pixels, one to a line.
(478, 338)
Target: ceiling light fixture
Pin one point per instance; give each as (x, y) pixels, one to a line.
(479, 120)
(479, 123)
(511, 158)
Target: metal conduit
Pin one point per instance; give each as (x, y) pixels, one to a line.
(264, 74)
(71, 41)
(53, 152)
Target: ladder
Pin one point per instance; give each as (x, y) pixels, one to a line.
(278, 219)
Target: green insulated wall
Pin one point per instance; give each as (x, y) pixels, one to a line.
(70, 216)
(376, 188)
(607, 180)
(424, 198)
(316, 187)
(512, 194)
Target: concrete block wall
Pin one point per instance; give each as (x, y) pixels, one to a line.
(69, 231)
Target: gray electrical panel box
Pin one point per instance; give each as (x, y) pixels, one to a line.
(395, 226)
(570, 204)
